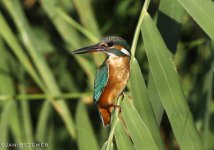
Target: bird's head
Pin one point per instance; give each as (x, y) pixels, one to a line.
(112, 45)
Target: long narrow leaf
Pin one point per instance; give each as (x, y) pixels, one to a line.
(142, 102)
(122, 139)
(10, 109)
(41, 128)
(155, 100)
(12, 42)
(139, 132)
(87, 16)
(169, 20)
(168, 86)
(170, 16)
(25, 111)
(86, 138)
(68, 33)
(208, 134)
(202, 13)
(28, 39)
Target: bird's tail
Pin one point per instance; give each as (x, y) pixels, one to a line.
(105, 114)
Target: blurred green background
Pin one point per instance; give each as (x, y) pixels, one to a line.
(46, 93)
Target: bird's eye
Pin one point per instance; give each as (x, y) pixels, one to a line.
(110, 44)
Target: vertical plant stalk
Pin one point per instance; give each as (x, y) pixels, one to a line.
(138, 28)
(113, 124)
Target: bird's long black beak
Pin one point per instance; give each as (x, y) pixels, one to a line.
(89, 49)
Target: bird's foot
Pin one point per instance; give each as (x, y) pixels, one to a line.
(117, 107)
(122, 94)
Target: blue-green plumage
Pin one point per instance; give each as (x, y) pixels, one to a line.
(100, 81)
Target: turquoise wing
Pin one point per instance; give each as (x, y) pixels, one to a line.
(100, 81)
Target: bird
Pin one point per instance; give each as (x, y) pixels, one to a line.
(112, 76)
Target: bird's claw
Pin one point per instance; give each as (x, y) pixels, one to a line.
(122, 94)
(117, 107)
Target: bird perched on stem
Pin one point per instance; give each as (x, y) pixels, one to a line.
(112, 76)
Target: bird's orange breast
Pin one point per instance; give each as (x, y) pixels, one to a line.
(119, 70)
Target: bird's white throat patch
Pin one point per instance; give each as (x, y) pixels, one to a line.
(125, 51)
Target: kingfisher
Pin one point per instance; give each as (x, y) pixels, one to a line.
(112, 76)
